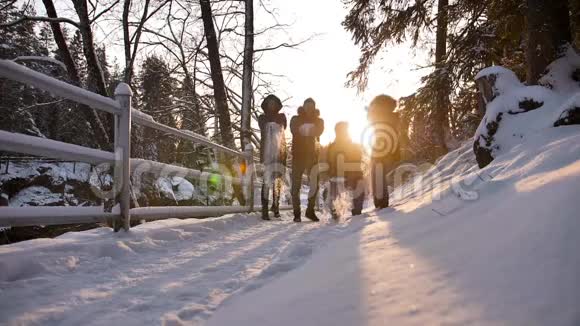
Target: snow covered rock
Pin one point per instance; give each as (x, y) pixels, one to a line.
(176, 188)
(37, 196)
(514, 111)
(42, 183)
(153, 190)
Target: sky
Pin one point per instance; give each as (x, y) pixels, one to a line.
(319, 67)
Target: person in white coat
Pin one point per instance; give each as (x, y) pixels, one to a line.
(272, 152)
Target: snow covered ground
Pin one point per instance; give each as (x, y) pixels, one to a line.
(165, 271)
(469, 246)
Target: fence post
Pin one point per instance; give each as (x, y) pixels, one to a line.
(123, 95)
(250, 175)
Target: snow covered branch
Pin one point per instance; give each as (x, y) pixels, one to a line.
(40, 19)
(39, 58)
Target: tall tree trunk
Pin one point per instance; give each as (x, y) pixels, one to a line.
(219, 89)
(129, 40)
(91, 116)
(96, 78)
(548, 33)
(247, 90)
(128, 72)
(60, 41)
(442, 97)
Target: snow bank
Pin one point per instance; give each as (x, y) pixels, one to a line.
(518, 111)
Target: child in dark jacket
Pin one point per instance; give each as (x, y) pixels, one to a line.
(272, 152)
(345, 169)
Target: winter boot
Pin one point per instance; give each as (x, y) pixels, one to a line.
(334, 215)
(276, 210)
(265, 216)
(297, 218)
(310, 212)
(381, 203)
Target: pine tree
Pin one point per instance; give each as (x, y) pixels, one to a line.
(76, 51)
(376, 24)
(46, 39)
(192, 119)
(102, 57)
(156, 88)
(480, 34)
(17, 112)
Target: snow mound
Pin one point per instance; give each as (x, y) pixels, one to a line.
(518, 111)
(506, 79)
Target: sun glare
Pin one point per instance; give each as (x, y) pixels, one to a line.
(358, 128)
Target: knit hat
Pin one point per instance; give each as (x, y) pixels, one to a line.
(271, 101)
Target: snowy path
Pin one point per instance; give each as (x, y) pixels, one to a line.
(167, 271)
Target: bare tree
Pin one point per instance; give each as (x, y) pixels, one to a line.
(131, 42)
(219, 90)
(93, 119)
(247, 90)
(98, 129)
(60, 41)
(96, 80)
(177, 36)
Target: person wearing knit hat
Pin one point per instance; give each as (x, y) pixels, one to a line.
(272, 152)
(306, 128)
(386, 152)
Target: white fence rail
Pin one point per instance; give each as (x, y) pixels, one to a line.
(123, 164)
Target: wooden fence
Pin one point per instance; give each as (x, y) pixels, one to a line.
(120, 107)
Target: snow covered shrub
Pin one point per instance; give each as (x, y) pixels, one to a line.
(515, 110)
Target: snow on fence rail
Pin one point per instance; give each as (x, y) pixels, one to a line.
(123, 164)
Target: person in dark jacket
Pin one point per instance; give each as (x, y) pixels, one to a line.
(345, 169)
(306, 128)
(386, 152)
(272, 152)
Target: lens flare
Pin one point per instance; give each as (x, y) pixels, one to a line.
(380, 139)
